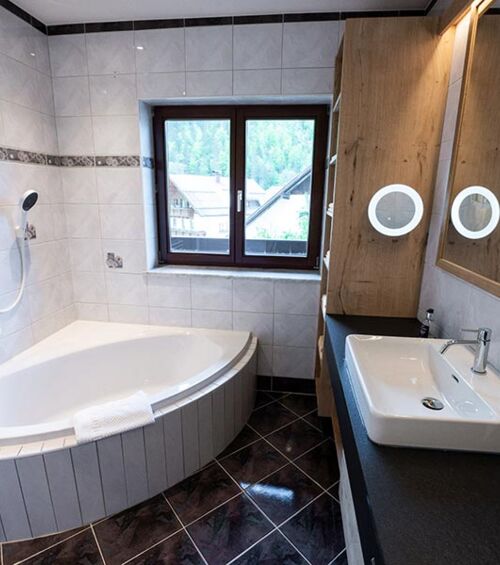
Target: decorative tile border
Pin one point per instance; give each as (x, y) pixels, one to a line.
(66, 29)
(33, 158)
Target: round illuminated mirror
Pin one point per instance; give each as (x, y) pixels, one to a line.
(395, 210)
(475, 212)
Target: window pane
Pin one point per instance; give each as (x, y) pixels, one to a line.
(198, 156)
(278, 174)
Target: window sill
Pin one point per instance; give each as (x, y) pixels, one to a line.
(237, 273)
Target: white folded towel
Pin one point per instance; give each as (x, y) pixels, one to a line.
(113, 417)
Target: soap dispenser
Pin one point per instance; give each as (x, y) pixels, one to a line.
(425, 326)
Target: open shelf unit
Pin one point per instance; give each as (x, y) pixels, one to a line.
(321, 375)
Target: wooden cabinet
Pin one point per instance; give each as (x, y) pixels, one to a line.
(390, 87)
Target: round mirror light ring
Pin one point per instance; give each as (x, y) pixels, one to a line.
(389, 189)
(495, 212)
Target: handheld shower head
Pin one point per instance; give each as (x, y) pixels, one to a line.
(28, 200)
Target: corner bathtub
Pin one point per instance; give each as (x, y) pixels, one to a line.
(201, 385)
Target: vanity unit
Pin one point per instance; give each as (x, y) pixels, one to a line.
(416, 422)
(404, 505)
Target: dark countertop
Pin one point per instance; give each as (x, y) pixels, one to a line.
(413, 506)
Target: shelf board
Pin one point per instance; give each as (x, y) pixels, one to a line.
(321, 347)
(336, 106)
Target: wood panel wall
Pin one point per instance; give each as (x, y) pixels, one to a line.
(394, 84)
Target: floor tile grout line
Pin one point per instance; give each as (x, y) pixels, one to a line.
(332, 562)
(292, 462)
(277, 526)
(154, 544)
(49, 547)
(294, 546)
(185, 530)
(187, 524)
(252, 546)
(267, 517)
(218, 458)
(98, 544)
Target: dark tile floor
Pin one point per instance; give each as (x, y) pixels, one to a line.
(271, 497)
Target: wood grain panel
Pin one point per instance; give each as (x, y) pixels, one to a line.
(394, 83)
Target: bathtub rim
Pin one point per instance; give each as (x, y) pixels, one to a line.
(46, 441)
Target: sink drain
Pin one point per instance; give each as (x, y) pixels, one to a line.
(432, 403)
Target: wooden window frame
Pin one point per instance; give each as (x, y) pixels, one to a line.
(238, 116)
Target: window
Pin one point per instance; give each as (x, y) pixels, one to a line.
(246, 181)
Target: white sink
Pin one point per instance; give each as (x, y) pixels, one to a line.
(391, 376)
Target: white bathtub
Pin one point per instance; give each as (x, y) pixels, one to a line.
(201, 384)
(89, 363)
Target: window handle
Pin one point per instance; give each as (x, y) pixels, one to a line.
(239, 201)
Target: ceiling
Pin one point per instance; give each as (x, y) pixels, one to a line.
(78, 11)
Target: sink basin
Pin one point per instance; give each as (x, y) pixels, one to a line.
(409, 394)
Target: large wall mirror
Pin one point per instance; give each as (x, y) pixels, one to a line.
(470, 239)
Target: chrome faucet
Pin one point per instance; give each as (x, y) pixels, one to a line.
(482, 343)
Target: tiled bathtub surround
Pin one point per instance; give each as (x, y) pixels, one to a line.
(457, 303)
(229, 511)
(28, 146)
(279, 311)
(56, 485)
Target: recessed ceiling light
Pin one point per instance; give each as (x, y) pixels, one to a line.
(140, 47)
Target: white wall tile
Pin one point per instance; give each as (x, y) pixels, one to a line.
(116, 135)
(257, 46)
(265, 360)
(253, 295)
(122, 221)
(261, 325)
(133, 254)
(162, 50)
(293, 362)
(82, 220)
(71, 96)
(95, 312)
(216, 320)
(110, 52)
(310, 44)
(212, 293)
(209, 48)
(75, 135)
(89, 287)
(259, 82)
(113, 95)
(178, 317)
(119, 185)
(209, 83)
(126, 289)
(155, 86)
(128, 314)
(86, 255)
(79, 185)
(170, 292)
(68, 55)
(294, 330)
(308, 81)
(291, 297)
